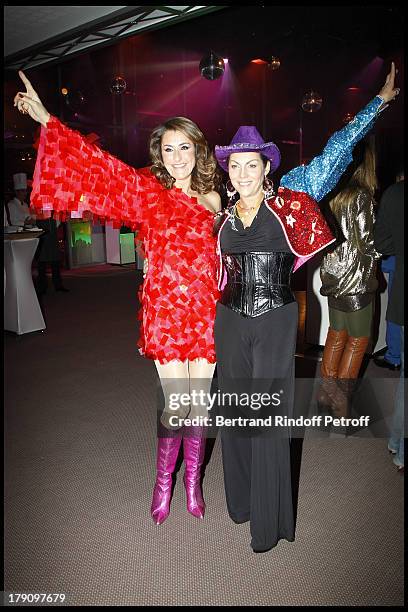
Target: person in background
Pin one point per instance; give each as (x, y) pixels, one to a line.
(392, 357)
(348, 275)
(17, 210)
(389, 240)
(48, 253)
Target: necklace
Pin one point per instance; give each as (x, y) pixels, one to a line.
(245, 211)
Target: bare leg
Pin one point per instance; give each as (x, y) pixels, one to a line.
(201, 374)
(174, 380)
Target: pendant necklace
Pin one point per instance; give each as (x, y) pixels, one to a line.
(248, 210)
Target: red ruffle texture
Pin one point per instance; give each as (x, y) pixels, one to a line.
(180, 291)
(72, 176)
(179, 294)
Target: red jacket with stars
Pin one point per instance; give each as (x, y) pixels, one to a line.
(303, 224)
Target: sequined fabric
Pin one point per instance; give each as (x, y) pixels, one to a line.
(348, 274)
(322, 174)
(303, 224)
(179, 294)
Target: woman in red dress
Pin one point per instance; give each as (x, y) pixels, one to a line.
(172, 206)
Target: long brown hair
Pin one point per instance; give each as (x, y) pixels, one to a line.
(360, 175)
(205, 176)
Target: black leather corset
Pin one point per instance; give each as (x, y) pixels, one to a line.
(257, 282)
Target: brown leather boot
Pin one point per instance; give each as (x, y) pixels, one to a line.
(332, 354)
(352, 358)
(348, 371)
(333, 351)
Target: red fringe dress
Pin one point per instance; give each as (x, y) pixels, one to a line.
(180, 292)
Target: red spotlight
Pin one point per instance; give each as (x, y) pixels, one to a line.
(353, 88)
(225, 60)
(258, 61)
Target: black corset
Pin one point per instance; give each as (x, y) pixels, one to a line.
(257, 282)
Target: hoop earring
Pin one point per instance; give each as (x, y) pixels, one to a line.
(268, 189)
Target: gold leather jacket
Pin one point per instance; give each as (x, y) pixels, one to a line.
(348, 274)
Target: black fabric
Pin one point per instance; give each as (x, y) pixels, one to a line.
(257, 282)
(8, 213)
(257, 471)
(42, 275)
(48, 249)
(264, 234)
(389, 240)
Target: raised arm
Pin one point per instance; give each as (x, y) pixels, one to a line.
(73, 176)
(322, 174)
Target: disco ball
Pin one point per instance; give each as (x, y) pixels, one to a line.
(312, 102)
(118, 85)
(212, 66)
(274, 64)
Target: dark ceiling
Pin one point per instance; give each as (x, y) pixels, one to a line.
(330, 48)
(40, 35)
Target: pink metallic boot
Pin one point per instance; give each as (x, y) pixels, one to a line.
(167, 453)
(194, 449)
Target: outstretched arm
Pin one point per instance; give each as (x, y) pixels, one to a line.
(322, 174)
(72, 176)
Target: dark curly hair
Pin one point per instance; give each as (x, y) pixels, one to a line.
(221, 216)
(205, 176)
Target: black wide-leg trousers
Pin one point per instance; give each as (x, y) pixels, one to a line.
(257, 470)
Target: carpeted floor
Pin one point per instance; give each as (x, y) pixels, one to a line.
(80, 427)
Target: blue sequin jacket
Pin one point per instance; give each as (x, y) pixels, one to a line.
(322, 174)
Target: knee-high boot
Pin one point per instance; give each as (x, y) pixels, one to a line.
(194, 449)
(332, 354)
(348, 371)
(167, 453)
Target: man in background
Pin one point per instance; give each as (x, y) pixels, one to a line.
(392, 357)
(48, 252)
(17, 211)
(389, 240)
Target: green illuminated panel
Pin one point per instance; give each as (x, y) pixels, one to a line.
(127, 248)
(81, 233)
(126, 239)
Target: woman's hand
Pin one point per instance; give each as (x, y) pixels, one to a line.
(388, 91)
(29, 103)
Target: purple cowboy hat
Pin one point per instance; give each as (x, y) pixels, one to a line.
(247, 138)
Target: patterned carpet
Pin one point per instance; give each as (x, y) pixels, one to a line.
(80, 467)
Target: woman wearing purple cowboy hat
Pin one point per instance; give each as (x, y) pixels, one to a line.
(262, 237)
